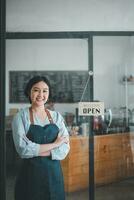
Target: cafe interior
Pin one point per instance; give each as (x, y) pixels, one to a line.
(85, 48)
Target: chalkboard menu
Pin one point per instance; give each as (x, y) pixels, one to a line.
(67, 86)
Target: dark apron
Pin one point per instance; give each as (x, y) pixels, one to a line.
(40, 178)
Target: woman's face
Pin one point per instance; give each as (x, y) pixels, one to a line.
(39, 93)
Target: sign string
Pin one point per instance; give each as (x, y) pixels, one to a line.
(85, 87)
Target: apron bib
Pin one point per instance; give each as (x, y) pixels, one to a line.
(40, 178)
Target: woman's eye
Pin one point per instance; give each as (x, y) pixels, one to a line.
(45, 91)
(35, 90)
(38, 90)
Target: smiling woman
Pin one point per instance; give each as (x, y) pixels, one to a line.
(42, 140)
(36, 85)
(39, 94)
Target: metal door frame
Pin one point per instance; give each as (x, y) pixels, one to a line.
(46, 35)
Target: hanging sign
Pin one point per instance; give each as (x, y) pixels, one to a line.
(91, 108)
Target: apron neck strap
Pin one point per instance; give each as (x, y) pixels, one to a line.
(31, 115)
(47, 112)
(49, 116)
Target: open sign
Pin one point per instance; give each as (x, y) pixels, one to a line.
(91, 108)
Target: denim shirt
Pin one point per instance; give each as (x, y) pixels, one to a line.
(28, 149)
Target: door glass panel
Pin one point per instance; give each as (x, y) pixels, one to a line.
(114, 132)
(51, 55)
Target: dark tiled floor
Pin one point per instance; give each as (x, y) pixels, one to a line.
(81, 195)
(123, 190)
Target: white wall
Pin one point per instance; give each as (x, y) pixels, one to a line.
(130, 71)
(62, 54)
(70, 15)
(113, 58)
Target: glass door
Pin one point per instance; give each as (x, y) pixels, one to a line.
(65, 62)
(113, 81)
(114, 132)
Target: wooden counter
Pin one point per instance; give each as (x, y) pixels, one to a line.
(114, 154)
(75, 166)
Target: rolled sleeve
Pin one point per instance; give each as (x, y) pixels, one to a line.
(61, 152)
(24, 147)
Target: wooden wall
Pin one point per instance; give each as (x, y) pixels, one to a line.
(75, 166)
(114, 154)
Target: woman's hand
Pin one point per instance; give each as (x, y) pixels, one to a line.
(60, 140)
(45, 149)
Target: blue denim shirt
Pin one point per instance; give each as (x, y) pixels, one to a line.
(28, 149)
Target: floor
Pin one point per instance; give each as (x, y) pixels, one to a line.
(123, 190)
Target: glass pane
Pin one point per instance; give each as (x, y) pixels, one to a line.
(11, 160)
(114, 136)
(54, 55)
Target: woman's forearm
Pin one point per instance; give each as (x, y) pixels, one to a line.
(48, 153)
(45, 148)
